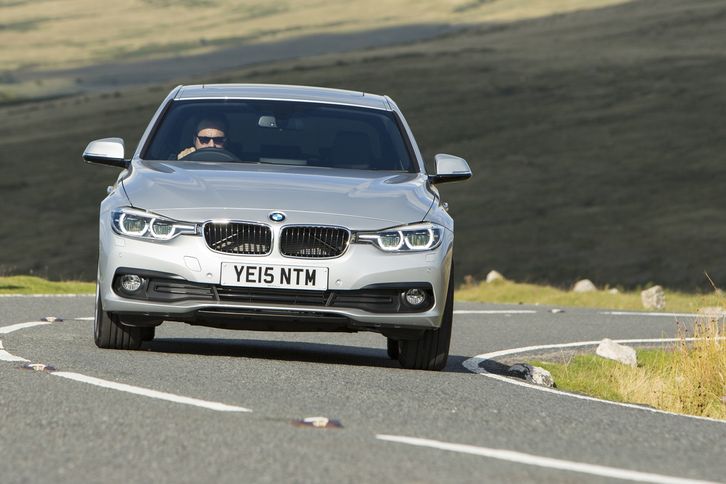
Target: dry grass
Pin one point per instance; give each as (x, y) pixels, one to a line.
(508, 292)
(37, 285)
(47, 34)
(692, 379)
(688, 378)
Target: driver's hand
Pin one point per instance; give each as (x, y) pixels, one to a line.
(185, 152)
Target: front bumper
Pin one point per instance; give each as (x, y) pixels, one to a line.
(361, 270)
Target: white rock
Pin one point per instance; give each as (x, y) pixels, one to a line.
(613, 351)
(540, 376)
(584, 285)
(614, 290)
(653, 298)
(533, 374)
(494, 276)
(557, 310)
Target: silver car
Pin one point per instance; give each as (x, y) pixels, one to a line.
(284, 208)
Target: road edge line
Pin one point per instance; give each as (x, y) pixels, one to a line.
(540, 461)
(473, 365)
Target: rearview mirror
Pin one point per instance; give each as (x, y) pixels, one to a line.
(106, 151)
(450, 168)
(285, 123)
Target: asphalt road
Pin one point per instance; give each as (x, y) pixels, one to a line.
(56, 429)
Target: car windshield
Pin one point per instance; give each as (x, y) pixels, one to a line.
(280, 132)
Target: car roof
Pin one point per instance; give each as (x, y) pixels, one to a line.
(283, 92)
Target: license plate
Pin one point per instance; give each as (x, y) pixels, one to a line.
(283, 277)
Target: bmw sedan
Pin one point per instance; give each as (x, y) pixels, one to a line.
(277, 208)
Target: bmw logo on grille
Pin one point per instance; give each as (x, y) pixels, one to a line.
(277, 216)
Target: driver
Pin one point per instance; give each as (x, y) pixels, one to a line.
(210, 133)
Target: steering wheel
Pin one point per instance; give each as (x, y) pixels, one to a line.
(211, 154)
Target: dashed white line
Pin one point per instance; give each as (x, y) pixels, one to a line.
(495, 311)
(170, 397)
(5, 356)
(606, 313)
(473, 364)
(539, 461)
(122, 387)
(652, 315)
(16, 327)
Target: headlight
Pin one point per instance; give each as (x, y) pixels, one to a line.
(418, 237)
(146, 225)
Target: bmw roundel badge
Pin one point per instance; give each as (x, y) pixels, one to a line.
(277, 216)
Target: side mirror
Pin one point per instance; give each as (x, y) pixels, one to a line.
(106, 151)
(450, 168)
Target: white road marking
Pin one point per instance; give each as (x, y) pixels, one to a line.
(655, 315)
(473, 365)
(539, 461)
(607, 313)
(5, 356)
(15, 327)
(495, 311)
(122, 387)
(87, 318)
(170, 397)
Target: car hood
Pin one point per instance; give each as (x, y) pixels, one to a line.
(198, 192)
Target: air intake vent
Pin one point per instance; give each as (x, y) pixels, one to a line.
(314, 242)
(238, 238)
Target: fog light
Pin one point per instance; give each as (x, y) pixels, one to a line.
(131, 282)
(415, 297)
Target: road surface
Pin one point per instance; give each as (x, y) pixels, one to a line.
(205, 405)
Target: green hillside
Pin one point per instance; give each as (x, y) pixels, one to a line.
(47, 43)
(596, 139)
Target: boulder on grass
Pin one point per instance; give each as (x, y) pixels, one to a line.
(494, 276)
(584, 285)
(533, 374)
(613, 351)
(653, 298)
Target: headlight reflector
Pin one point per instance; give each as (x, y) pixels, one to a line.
(140, 224)
(418, 237)
(390, 240)
(133, 225)
(162, 229)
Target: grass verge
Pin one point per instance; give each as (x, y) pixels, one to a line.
(508, 292)
(36, 285)
(688, 378)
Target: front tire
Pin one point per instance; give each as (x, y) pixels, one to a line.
(108, 332)
(431, 351)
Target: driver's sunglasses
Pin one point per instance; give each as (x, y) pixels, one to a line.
(218, 140)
